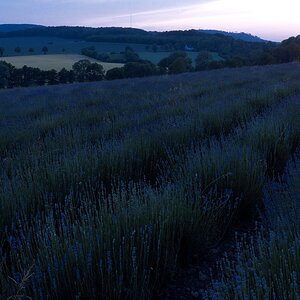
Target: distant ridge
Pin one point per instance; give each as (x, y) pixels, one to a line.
(247, 37)
(17, 27)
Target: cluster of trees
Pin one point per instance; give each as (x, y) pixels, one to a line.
(287, 51)
(82, 71)
(132, 70)
(206, 61)
(128, 55)
(177, 62)
(26, 76)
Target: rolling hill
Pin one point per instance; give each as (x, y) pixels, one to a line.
(226, 46)
(247, 37)
(17, 27)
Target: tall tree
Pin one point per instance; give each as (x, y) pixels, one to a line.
(203, 60)
(181, 65)
(90, 52)
(45, 50)
(177, 62)
(18, 50)
(63, 76)
(115, 73)
(130, 55)
(1, 51)
(139, 69)
(4, 74)
(52, 77)
(95, 72)
(80, 69)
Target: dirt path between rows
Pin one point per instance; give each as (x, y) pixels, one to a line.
(189, 281)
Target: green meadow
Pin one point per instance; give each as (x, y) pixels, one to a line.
(106, 188)
(54, 61)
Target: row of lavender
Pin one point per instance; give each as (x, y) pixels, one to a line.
(267, 264)
(106, 187)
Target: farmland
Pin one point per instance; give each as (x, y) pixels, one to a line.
(54, 61)
(107, 187)
(73, 46)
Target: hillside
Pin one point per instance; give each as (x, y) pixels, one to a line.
(225, 46)
(109, 189)
(17, 27)
(247, 37)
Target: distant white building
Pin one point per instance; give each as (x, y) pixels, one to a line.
(188, 48)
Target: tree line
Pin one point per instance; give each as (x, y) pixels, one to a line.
(177, 62)
(82, 71)
(85, 71)
(18, 50)
(128, 55)
(285, 52)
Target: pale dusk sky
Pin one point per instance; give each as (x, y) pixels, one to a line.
(270, 19)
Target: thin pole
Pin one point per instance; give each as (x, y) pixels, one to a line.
(131, 14)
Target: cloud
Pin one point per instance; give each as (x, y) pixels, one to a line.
(187, 16)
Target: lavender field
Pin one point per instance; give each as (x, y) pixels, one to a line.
(105, 188)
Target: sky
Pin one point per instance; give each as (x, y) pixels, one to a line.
(270, 19)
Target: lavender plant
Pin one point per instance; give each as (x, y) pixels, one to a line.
(267, 265)
(106, 187)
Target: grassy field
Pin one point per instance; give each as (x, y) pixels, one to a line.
(54, 61)
(106, 187)
(55, 46)
(156, 57)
